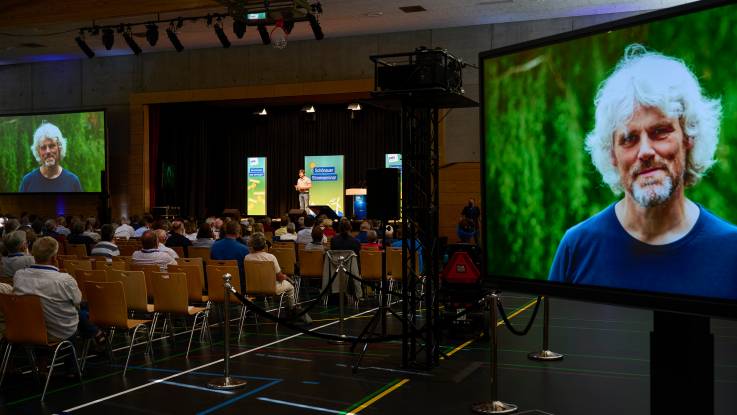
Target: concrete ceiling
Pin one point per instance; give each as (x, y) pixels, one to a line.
(44, 30)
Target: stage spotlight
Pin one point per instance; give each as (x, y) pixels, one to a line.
(152, 34)
(263, 112)
(108, 38)
(83, 45)
(309, 109)
(174, 39)
(316, 29)
(239, 28)
(128, 37)
(220, 33)
(265, 38)
(354, 106)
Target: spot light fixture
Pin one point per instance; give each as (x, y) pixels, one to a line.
(171, 33)
(308, 109)
(128, 37)
(220, 33)
(354, 106)
(108, 38)
(152, 34)
(83, 45)
(263, 112)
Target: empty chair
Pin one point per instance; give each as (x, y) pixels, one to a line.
(199, 252)
(216, 291)
(311, 264)
(171, 296)
(109, 310)
(148, 270)
(125, 260)
(72, 265)
(61, 258)
(179, 250)
(134, 284)
(261, 281)
(195, 281)
(76, 249)
(84, 275)
(371, 265)
(222, 262)
(25, 326)
(128, 249)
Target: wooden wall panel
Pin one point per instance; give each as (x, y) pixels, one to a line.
(458, 182)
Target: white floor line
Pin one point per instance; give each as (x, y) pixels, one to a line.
(145, 385)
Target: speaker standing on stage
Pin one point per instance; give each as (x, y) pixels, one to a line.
(303, 187)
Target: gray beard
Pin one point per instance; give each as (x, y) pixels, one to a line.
(50, 162)
(651, 194)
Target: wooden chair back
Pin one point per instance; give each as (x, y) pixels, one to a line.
(269, 236)
(179, 250)
(84, 275)
(125, 260)
(148, 270)
(310, 264)
(107, 304)
(223, 262)
(134, 284)
(215, 289)
(24, 319)
(195, 279)
(61, 258)
(72, 265)
(104, 265)
(199, 252)
(260, 277)
(76, 249)
(395, 262)
(170, 292)
(371, 264)
(128, 249)
(286, 258)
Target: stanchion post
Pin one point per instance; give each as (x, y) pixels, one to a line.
(545, 354)
(494, 406)
(226, 382)
(341, 301)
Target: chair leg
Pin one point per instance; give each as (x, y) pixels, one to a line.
(85, 352)
(278, 311)
(130, 348)
(297, 286)
(241, 321)
(53, 360)
(6, 359)
(191, 334)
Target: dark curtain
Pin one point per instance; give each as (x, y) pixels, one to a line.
(204, 148)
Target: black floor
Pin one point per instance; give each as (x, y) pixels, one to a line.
(605, 371)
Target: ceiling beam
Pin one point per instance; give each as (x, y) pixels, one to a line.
(38, 13)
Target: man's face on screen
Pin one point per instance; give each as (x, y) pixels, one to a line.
(650, 154)
(49, 152)
(301, 174)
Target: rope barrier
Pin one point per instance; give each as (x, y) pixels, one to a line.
(509, 325)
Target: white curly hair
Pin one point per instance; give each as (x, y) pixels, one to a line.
(48, 130)
(650, 79)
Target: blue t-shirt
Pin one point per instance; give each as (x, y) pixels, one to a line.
(227, 248)
(36, 182)
(599, 251)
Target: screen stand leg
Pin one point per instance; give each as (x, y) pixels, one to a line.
(681, 364)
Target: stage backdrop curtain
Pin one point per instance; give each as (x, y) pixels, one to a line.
(202, 150)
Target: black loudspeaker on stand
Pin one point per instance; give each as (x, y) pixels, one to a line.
(382, 193)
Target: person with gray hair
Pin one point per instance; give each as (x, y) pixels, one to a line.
(49, 148)
(18, 257)
(291, 234)
(125, 230)
(655, 134)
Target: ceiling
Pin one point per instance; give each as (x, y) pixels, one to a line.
(44, 30)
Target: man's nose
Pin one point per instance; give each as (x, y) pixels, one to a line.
(646, 150)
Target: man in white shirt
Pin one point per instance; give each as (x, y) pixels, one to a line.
(303, 187)
(125, 230)
(305, 235)
(162, 237)
(145, 226)
(150, 254)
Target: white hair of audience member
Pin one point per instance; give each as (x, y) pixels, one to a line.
(15, 242)
(50, 131)
(291, 228)
(650, 79)
(124, 220)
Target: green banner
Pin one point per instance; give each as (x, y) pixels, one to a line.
(256, 186)
(326, 173)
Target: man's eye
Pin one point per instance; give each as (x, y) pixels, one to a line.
(628, 139)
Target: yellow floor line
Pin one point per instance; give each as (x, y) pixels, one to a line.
(498, 323)
(377, 397)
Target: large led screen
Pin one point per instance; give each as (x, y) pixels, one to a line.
(610, 157)
(256, 186)
(52, 153)
(326, 173)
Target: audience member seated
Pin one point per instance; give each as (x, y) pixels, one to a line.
(465, 230)
(145, 223)
(344, 240)
(305, 235)
(205, 237)
(177, 237)
(267, 224)
(17, 250)
(150, 253)
(290, 235)
(282, 226)
(60, 295)
(190, 230)
(125, 230)
(283, 285)
(30, 236)
(162, 237)
(76, 237)
(327, 228)
(61, 226)
(397, 242)
(217, 226)
(228, 247)
(106, 247)
(372, 241)
(363, 232)
(89, 229)
(316, 244)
